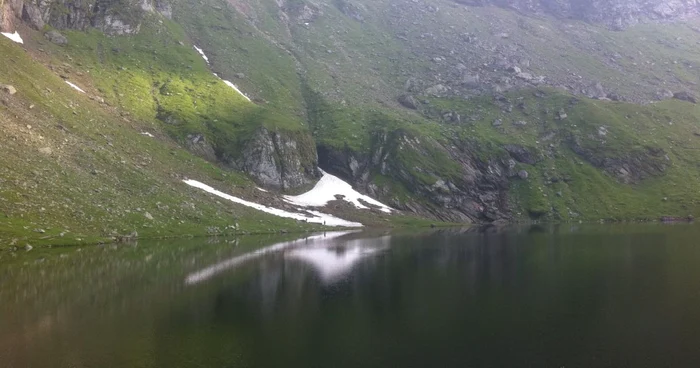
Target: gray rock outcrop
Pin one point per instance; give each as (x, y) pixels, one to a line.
(200, 146)
(685, 96)
(56, 37)
(408, 101)
(6, 88)
(112, 17)
(279, 160)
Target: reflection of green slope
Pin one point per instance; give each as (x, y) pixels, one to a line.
(495, 292)
(446, 292)
(139, 281)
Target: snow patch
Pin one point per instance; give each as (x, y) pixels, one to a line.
(319, 218)
(14, 37)
(201, 53)
(261, 189)
(147, 134)
(326, 190)
(75, 87)
(236, 88)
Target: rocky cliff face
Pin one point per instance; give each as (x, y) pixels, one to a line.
(279, 161)
(458, 187)
(617, 14)
(120, 17)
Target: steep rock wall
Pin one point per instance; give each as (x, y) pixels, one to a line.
(451, 184)
(279, 160)
(114, 17)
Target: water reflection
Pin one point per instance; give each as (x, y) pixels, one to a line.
(314, 249)
(333, 261)
(548, 296)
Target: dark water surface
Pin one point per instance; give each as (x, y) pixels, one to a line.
(562, 296)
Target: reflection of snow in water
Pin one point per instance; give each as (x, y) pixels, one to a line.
(234, 262)
(332, 263)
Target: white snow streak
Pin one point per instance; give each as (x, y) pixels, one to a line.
(228, 83)
(320, 218)
(236, 88)
(201, 53)
(261, 189)
(234, 262)
(14, 37)
(326, 190)
(75, 87)
(147, 134)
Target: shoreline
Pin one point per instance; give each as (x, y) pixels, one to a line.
(664, 220)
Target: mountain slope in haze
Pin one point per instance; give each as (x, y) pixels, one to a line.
(617, 14)
(453, 110)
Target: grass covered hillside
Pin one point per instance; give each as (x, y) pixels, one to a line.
(438, 109)
(472, 74)
(77, 170)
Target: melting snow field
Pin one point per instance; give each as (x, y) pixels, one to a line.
(325, 191)
(75, 87)
(319, 218)
(14, 37)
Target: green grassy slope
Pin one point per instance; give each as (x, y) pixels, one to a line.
(355, 69)
(334, 70)
(565, 185)
(75, 170)
(158, 75)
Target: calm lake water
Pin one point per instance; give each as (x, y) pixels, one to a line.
(559, 296)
